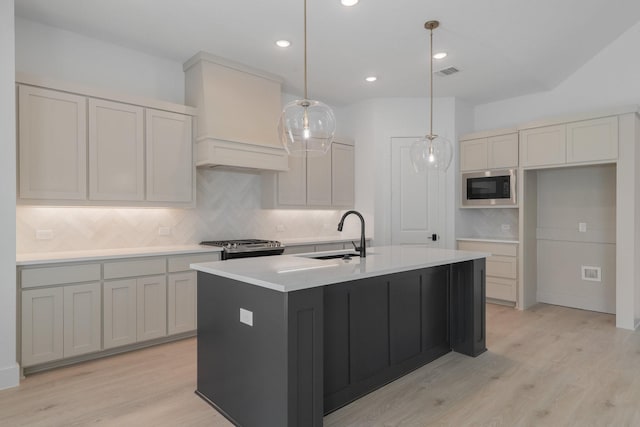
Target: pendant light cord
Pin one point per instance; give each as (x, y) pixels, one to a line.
(430, 82)
(305, 50)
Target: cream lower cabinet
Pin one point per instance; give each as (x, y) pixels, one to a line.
(60, 322)
(82, 319)
(120, 313)
(501, 266)
(181, 300)
(42, 325)
(134, 310)
(73, 309)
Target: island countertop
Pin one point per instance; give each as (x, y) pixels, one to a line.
(286, 273)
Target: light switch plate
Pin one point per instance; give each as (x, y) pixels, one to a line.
(582, 227)
(246, 317)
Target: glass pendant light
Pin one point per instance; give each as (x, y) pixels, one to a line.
(433, 152)
(306, 126)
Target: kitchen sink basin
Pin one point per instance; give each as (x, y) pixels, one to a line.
(334, 256)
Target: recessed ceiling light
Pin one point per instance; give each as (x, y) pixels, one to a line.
(439, 55)
(283, 43)
(349, 2)
(371, 79)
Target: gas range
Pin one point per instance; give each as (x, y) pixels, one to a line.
(246, 248)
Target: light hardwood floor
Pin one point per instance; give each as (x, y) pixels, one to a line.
(547, 366)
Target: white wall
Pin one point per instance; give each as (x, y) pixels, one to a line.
(566, 197)
(9, 372)
(373, 123)
(609, 79)
(62, 55)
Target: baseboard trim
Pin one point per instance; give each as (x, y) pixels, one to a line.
(10, 376)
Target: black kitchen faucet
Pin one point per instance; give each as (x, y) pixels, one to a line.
(363, 247)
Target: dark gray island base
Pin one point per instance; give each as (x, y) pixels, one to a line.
(311, 351)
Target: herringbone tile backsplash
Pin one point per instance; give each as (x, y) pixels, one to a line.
(228, 207)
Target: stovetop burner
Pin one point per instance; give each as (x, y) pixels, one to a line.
(244, 248)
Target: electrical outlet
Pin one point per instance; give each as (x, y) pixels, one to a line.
(44, 234)
(592, 274)
(582, 227)
(506, 227)
(164, 231)
(280, 227)
(246, 317)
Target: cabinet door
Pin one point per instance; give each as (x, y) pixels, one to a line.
(319, 180)
(592, 140)
(181, 302)
(292, 185)
(473, 155)
(405, 315)
(342, 175)
(152, 307)
(116, 151)
(52, 144)
(82, 319)
(369, 329)
(543, 146)
(170, 166)
(42, 329)
(502, 151)
(119, 315)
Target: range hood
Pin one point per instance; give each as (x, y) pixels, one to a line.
(238, 111)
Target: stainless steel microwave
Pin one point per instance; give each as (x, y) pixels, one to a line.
(489, 188)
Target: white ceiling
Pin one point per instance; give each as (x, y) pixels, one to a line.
(504, 48)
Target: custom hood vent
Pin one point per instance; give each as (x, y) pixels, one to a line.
(238, 111)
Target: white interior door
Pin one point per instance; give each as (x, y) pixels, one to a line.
(417, 199)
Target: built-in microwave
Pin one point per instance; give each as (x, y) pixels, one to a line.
(489, 188)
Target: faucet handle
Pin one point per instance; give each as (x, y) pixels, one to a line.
(357, 248)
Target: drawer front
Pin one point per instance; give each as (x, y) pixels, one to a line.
(145, 267)
(181, 263)
(503, 249)
(502, 266)
(502, 289)
(45, 276)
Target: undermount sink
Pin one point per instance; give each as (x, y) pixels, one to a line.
(334, 256)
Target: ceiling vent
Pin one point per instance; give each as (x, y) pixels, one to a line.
(447, 71)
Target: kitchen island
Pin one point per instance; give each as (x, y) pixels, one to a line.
(284, 340)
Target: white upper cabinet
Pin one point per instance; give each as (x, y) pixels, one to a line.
(315, 182)
(52, 144)
(492, 152)
(543, 146)
(502, 151)
(170, 166)
(473, 154)
(342, 175)
(586, 141)
(116, 151)
(592, 140)
(292, 185)
(109, 152)
(319, 180)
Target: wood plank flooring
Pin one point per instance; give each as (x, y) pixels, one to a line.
(547, 366)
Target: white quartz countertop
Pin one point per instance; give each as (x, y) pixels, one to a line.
(103, 254)
(287, 273)
(486, 239)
